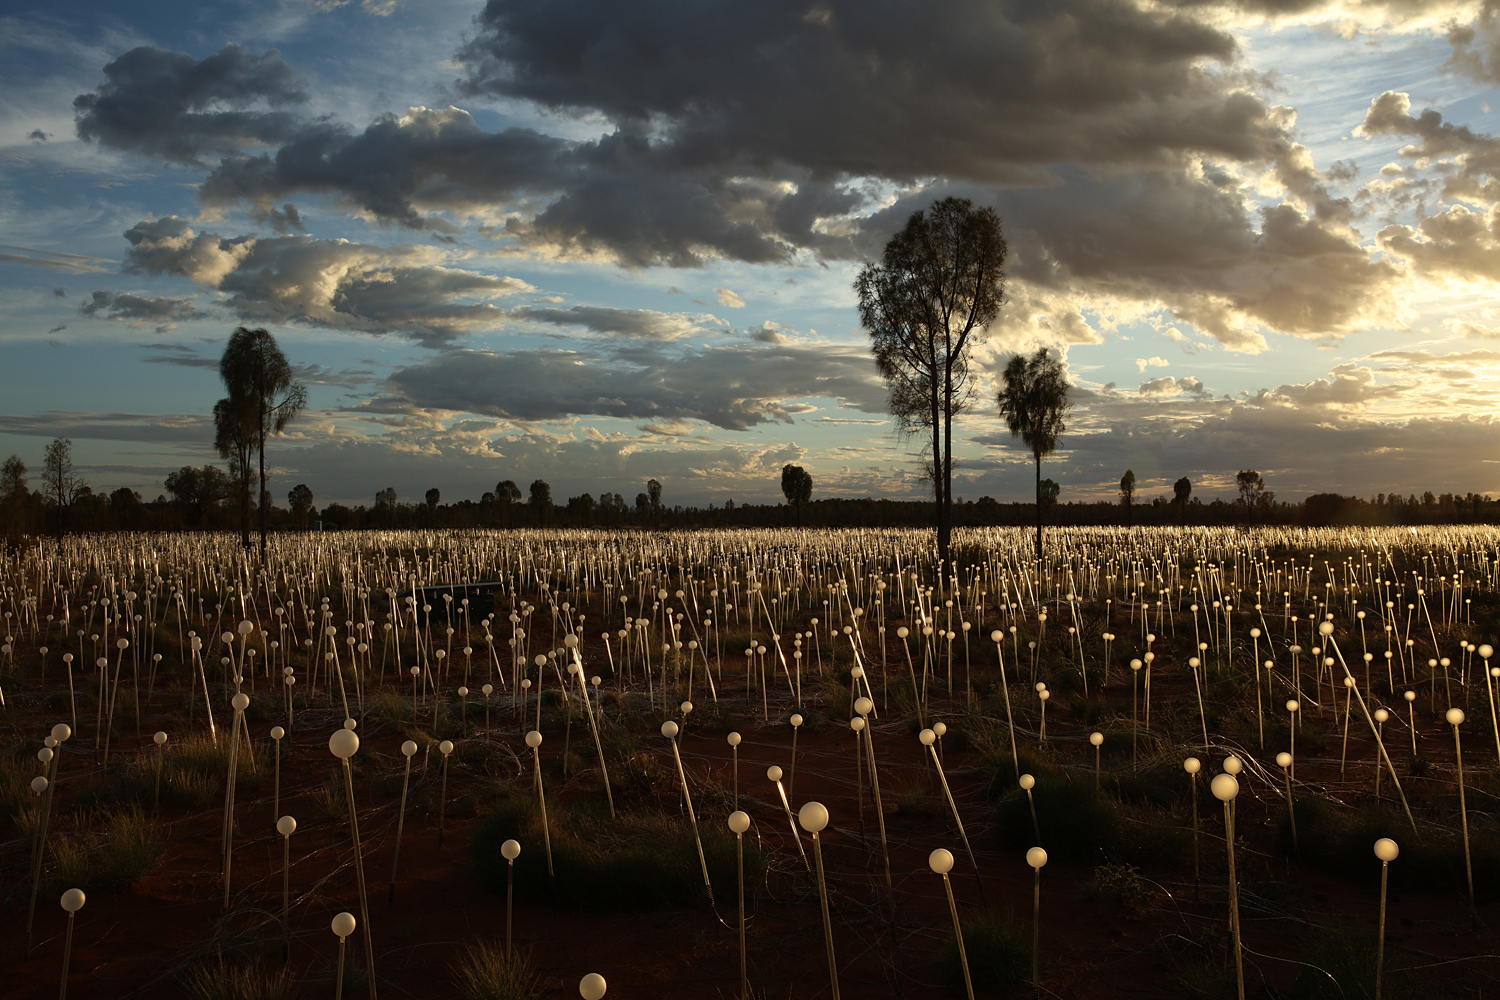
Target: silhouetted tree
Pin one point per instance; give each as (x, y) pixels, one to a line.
(258, 376)
(507, 499)
(299, 501)
(581, 511)
(234, 437)
(1181, 490)
(541, 502)
(926, 304)
(14, 496)
(1254, 497)
(797, 487)
(1127, 492)
(385, 506)
(125, 507)
(1047, 494)
(60, 484)
(653, 492)
(433, 496)
(1033, 399)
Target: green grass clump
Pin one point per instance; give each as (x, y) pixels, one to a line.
(106, 850)
(483, 972)
(223, 980)
(1077, 823)
(1341, 842)
(632, 862)
(396, 709)
(1341, 965)
(999, 953)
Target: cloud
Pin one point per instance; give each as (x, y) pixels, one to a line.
(37, 135)
(328, 283)
(139, 309)
(905, 91)
(401, 166)
(179, 429)
(1169, 386)
(71, 263)
(644, 324)
(1402, 420)
(180, 109)
(1151, 362)
(1475, 331)
(733, 387)
(769, 332)
(1115, 160)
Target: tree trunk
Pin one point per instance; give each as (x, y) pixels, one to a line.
(947, 465)
(245, 508)
(261, 499)
(939, 465)
(1038, 459)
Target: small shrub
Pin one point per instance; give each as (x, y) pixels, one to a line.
(998, 950)
(484, 973)
(1339, 841)
(1341, 966)
(230, 981)
(108, 850)
(394, 708)
(1076, 822)
(1121, 884)
(631, 862)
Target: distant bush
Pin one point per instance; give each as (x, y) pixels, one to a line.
(999, 953)
(628, 863)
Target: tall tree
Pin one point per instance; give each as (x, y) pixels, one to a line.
(1033, 399)
(507, 498)
(14, 495)
(541, 502)
(60, 484)
(581, 511)
(385, 505)
(197, 490)
(1181, 490)
(234, 437)
(1127, 493)
(1047, 493)
(797, 487)
(299, 500)
(653, 491)
(1254, 496)
(259, 377)
(926, 303)
(433, 496)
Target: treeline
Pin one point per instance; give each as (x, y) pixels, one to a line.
(206, 500)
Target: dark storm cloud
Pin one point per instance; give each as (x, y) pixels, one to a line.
(177, 108)
(717, 150)
(439, 157)
(329, 283)
(139, 308)
(645, 324)
(735, 388)
(904, 90)
(1100, 128)
(1183, 241)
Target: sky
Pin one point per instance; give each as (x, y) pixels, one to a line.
(596, 243)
